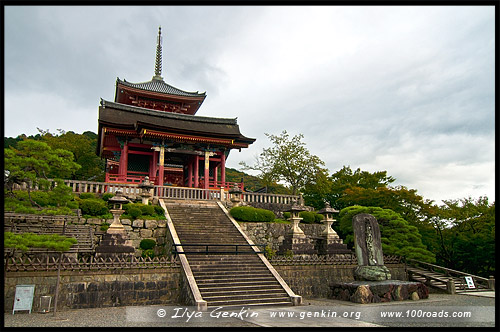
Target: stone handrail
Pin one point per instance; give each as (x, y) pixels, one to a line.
(268, 198)
(132, 189)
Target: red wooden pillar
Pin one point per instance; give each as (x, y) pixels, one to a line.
(207, 170)
(196, 170)
(124, 162)
(223, 169)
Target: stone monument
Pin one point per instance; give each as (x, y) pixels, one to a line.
(368, 249)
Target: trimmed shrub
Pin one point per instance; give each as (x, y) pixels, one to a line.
(93, 207)
(107, 196)
(104, 226)
(286, 215)
(134, 212)
(159, 210)
(248, 213)
(147, 209)
(307, 217)
(318, 218)
(147, 244)
(87, 196)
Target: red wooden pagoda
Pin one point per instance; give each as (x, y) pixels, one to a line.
(151, 130)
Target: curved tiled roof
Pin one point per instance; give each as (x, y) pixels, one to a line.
(160, 86)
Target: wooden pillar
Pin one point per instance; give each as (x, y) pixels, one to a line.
(124, 161)
(196, 170)
(223, 169)
(161, 166)
(207, 170)
(155, 166)
(190, 174)
(215, 175)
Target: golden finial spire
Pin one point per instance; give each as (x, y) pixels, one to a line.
(158, 57)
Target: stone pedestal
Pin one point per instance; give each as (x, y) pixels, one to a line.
(379, 291)
(331, 247)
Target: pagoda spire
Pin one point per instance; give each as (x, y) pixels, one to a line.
(158, 58)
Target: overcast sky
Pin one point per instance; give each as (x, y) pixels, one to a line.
(409, 90)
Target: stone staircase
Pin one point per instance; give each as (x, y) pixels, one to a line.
(440, 280)
(224, 278)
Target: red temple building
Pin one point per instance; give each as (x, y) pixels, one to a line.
(151, 130)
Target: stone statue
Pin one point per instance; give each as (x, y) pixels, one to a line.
(368, 249)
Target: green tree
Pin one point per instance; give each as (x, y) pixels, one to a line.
(83, 148)
(288, 160)
(467, 235)
(397, 236)
(33, 160)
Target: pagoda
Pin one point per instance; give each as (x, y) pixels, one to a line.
(151, 129)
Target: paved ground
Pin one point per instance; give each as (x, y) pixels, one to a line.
(313, 313)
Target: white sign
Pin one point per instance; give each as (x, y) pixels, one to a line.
(24, 297)
(470, 282)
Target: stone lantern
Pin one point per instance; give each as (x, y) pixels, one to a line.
(117, 201)
(330, 243)
(146, 187)
(235, 195)
(328, 212)
(115, 242)
(294, 210)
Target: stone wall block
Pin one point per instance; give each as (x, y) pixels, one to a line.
(138, 223)
(146, 233)
(150, 224)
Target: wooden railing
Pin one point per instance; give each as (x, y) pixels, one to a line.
(481, 282)
(69, 262)
(336, 259)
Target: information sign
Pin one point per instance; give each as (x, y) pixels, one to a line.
(24, 297)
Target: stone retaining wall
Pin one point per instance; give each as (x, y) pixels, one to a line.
(95, 289)
(273, 234)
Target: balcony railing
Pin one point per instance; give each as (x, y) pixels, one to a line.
(184, 193)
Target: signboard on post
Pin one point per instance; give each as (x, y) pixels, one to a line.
(24, 297)
(470, 282)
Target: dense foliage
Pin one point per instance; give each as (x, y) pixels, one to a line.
(25, 241)
(248, 213)
(397, 236)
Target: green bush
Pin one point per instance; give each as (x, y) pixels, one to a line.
(72, 205)
(307, 217)
(286, 215)
(248, 213)
(148, 253)
(147, 244)
(87, 196)
(318, 218)
(104, 226)
(134, 212)
(93, 207)
(159, 210)
(107, 196)
(148, 210)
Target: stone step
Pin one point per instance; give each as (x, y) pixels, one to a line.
(218, 269)
(241, 289)
(251, 296)
(208, 280)
(232, 275)
(248, 302)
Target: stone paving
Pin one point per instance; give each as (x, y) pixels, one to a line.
(313, 313)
